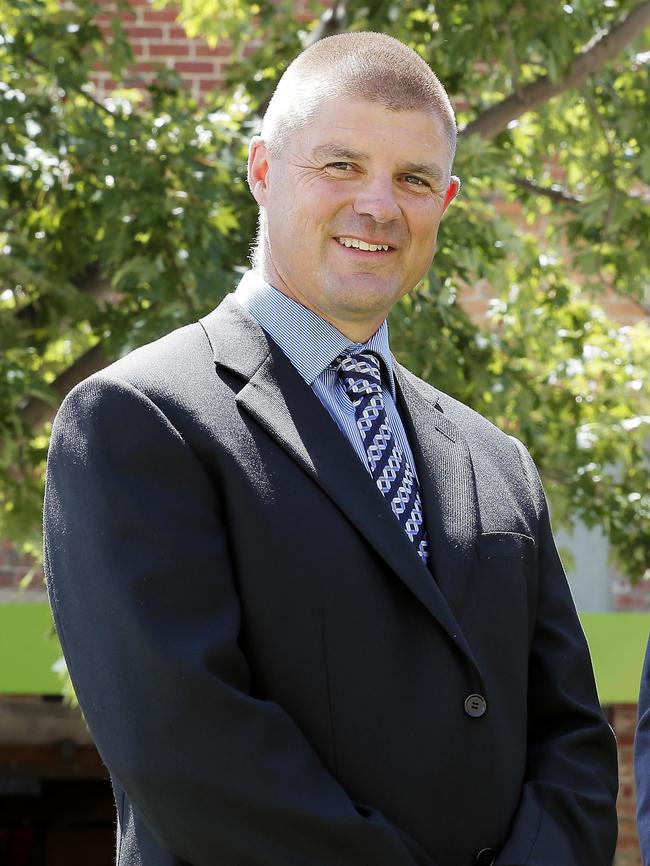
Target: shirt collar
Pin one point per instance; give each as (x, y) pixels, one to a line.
(309, 341)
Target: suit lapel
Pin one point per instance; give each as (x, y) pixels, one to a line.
(286, 407)
(447, 487)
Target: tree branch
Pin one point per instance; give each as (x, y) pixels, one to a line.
(593, 57)
(90, 283)
(332, 22)
(554, 193)
(96, 102)
(38, 411)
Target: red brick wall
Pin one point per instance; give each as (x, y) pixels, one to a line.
(624, 722)
(158, 41)
(15, 568)
(628, 597)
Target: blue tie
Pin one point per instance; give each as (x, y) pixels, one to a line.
(360, 376)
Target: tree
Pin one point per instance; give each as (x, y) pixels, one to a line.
(127, 217)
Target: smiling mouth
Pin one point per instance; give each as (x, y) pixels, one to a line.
(357, 244)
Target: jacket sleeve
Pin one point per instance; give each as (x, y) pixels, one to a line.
(567, 810)
(642, 761)
(142, 591)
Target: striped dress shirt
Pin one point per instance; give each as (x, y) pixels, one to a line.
(311, 344)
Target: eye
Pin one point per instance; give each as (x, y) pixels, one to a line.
(344, 167)
(414, 180)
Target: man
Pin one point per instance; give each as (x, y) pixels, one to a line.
(311, 606)
(642, 761)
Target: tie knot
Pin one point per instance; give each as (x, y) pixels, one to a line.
(360, 374)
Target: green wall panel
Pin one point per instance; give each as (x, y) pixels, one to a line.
(28, 650)
(617, 642)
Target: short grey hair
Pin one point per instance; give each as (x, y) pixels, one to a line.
(364, 65)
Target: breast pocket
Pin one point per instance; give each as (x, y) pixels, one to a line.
(513, 545)
(507, 583)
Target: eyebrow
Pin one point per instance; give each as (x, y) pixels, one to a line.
(337, 151)
(423, 168)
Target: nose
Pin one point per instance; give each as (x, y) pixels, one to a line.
(376, 199)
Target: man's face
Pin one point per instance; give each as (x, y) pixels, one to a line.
(353, 203)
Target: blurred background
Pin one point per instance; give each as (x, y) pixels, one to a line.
(124, 213)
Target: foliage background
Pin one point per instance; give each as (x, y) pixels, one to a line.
(124, 218)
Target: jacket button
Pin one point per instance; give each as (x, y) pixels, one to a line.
(475, 706)
(485, 857)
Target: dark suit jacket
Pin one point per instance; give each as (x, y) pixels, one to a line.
(270, 673)
(642, 761)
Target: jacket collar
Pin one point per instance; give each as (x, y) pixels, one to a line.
(274, 394)
(447, 485)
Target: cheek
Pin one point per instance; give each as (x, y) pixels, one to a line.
(425, 225)
(422, 245)
(311, 205)
(330, 194)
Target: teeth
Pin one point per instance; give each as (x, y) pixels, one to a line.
(362, 245)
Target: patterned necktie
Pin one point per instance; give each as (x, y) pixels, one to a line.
(360, 376)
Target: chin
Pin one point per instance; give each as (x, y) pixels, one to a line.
(372, 286)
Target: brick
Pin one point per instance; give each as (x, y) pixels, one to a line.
(621, 309)
(208, 85)
(106, 17)
(475, 308)
(624, 725)
(625, 773)
(140, 49)
(625, 712)
(136, 31)
(221, 50)
(626, 791)
(195, 67)
(251, 47)
(145, 67)
(173, 31)
(169, 50)
(626, 812)
(168, 15)
(627, 828)
(623, 721)
(630, 603)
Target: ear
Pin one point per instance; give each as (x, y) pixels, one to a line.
(258, 167)
(452, 192)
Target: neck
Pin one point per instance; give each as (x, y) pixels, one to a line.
(355, 331)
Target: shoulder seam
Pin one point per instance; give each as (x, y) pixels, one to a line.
(101, 376)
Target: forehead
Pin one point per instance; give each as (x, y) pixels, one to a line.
(371, 128)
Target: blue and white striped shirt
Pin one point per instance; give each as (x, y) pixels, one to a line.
(311, 344)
